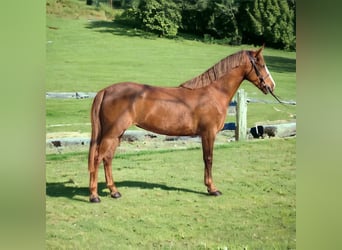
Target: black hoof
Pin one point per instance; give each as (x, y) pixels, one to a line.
(215, 193)
(116, 195)
(95, 200)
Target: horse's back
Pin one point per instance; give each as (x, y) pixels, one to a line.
(125, 89)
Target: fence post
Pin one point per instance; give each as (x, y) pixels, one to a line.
(241, 116)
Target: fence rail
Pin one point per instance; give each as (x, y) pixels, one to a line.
(239, 105)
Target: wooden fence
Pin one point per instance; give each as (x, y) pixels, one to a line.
(241, 116)
(284, 129)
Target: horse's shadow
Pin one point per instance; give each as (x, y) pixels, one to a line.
(68, 189)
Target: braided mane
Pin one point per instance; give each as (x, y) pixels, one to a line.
(215, 72)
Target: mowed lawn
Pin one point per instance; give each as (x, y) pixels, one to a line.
(165, 205)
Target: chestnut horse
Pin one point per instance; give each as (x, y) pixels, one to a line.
(196, 107)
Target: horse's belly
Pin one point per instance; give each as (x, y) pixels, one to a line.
(168, 124)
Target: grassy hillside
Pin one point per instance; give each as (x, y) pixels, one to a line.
(88, 55)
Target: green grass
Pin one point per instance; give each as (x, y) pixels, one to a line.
(68, 115)
(76, 9)
(164, 205)
(85, 56)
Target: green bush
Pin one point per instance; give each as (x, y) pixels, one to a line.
(269, 21)
(159, 16)
(234, 22)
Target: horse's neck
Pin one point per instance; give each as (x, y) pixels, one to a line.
(229, 83)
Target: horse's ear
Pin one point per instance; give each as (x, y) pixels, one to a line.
(259, 50)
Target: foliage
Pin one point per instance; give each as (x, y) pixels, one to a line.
(216, 18)
(223, 21)
(263, 21)
(234, 22)
(159, 16)
(269, 21)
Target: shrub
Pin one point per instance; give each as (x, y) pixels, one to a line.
(269, 21)
(159, 16)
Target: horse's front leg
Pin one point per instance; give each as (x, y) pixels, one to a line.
(208, 148)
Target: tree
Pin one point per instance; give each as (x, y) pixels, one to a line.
(223, 22)
(272, 22)
(268, 21)
(195, 16)
(160, 16)
(216, 18)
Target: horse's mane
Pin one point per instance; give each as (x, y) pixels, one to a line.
(215, 72)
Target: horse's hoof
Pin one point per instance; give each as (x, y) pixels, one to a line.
(95, 200)
(215, 193)
(116, 195)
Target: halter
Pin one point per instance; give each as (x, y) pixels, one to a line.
(260, 77)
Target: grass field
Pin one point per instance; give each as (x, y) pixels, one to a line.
(164, 204)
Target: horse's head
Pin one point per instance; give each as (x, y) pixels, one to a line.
(258, 73)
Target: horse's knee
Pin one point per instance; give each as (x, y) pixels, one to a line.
(108, 158)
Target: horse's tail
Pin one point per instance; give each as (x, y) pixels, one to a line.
(95, 130)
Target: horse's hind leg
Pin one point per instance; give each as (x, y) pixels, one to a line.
(107, 149)
(103, 152)
(107, 162)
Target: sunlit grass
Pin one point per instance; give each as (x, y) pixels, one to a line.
(164, 203)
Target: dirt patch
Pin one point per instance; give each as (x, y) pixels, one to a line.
(132, 141)
(58, 135)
